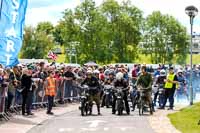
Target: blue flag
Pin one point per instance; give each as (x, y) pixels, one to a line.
(12, 18)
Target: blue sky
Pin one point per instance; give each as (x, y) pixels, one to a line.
(51, 10)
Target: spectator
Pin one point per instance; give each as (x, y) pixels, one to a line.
(27, 92)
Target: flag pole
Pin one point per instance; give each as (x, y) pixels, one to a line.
(1, 8)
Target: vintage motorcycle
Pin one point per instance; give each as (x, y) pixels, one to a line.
(108, 95)
(120, 104)
(84, 100)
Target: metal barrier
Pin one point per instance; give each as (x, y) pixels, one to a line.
(39, 94)
(3, 94)
(65, 92)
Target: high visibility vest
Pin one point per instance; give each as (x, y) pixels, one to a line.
(51, 87)
(171, 78)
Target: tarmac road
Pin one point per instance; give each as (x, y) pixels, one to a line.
(73, 122)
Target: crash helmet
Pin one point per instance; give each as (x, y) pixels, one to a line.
(162, 72)
(119, 76)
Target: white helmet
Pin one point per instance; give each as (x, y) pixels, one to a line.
(180, 71)
(162, 72)
(96, 71)
(119, 76)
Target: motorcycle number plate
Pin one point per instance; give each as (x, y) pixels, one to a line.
(119, 97)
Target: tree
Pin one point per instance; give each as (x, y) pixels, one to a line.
(36, 44)
(125, 24)
(46, 27)
(93, 38)
(164, 38)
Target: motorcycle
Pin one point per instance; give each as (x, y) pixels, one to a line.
(143, 103)
(120, 105)
(108, 95)
(134, 96)
(84, 102)
(161, 95)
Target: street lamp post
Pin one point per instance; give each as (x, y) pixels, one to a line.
(72, 50)
(191, 11)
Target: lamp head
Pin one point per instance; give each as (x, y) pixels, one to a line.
(191, 11)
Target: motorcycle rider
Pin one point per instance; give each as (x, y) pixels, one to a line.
(160, 82)
(96, 74)
(120, 82)
(108, 81)
(145, 80)
(93, 82)
(181, 90)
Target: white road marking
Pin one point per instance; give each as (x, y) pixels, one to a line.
(66, 129)
(105, 129)
(123, 129)
(89, 129)
(95, 123)
(61, 130)
(69, 129)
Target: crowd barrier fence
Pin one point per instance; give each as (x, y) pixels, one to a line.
(63, 95)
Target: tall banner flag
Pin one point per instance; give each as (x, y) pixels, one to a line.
(12, 18)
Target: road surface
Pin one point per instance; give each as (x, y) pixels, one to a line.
(72, 122)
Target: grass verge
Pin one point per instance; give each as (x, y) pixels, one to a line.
(187, 120)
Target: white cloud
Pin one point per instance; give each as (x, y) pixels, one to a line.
(50, 13)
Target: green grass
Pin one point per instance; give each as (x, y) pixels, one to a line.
(195, 58)
(147, 59)
(187, 119)
(144, 59)
(61, 58)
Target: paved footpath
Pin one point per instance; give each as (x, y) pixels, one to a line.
(68, 119)
(160, 123)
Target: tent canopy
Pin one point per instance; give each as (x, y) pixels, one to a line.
(90, 63)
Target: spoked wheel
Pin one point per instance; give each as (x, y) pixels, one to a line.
(151, 108)
(119, 107)
(82, 109)
(120, 111)
(134, 103)
(86, 109)
(141, 107)
(107, 101)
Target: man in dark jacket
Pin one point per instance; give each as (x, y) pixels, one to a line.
(68, 81)
(145, 81)
(120, 82)
(94, 90)
(27, 92)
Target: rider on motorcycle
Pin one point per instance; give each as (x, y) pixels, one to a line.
(92, 82)
(120, 82)
(181, 90)
(145, 81)
(108, 81)
(160, 82)
(96, 74)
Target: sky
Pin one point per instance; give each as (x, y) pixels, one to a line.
(51, 10)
